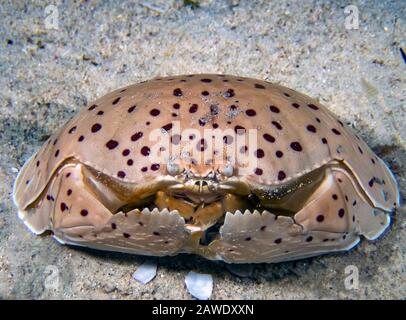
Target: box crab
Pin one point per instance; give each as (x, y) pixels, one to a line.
(310, 185)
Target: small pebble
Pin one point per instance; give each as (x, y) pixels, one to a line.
(241, 270)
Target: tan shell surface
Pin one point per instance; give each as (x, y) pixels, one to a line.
(295, 135)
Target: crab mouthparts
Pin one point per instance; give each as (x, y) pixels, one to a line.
(203, 212)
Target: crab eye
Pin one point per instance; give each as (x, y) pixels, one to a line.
(173, 168)
(228, 170)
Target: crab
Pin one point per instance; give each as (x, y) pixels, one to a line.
(226, 167)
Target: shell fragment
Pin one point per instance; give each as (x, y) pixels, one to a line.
(199, 285)
(147, 271)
